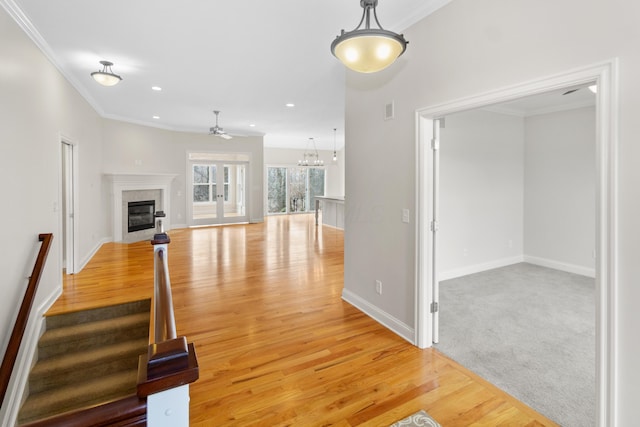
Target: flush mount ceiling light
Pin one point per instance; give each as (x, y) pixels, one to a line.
(106, 77)
(368, 50)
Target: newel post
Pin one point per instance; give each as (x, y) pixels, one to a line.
(170, 365)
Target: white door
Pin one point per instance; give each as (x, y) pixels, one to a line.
(218, 192)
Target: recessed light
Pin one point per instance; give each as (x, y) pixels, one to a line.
(252, 125)
(156, 88)
(290, 105)
(156, 117)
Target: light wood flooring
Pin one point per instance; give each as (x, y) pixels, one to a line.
(276, 344)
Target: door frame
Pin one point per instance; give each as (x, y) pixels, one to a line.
(605, 74)
(71, 237)
(219, 220)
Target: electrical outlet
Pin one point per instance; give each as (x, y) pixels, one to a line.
(379, 287)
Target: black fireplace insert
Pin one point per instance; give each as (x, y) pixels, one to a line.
(141, 215)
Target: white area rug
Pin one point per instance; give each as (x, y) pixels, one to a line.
(418, 419)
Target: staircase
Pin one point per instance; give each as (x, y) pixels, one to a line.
(87, 358)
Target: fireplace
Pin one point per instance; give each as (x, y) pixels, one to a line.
(127, 187)
(140, 215)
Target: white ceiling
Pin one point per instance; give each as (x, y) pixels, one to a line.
(245, 58)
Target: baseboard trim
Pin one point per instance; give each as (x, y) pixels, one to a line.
(35, 328)
(562, 266)
(380, 316)
(477, 268)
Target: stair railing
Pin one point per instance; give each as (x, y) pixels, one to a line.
(170, 365)
(11, 354)
(165, 322)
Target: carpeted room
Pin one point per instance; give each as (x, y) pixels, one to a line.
(518, 185)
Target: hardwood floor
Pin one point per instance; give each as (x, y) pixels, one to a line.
(276, 344)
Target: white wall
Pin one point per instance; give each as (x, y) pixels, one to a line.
(560, 171)
(466, 48)
(290, 157)
(37, 105)
(481, 192)
(130, 148)
(484, 158)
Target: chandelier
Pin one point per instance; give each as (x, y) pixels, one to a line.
(367, 50)
(311, 158)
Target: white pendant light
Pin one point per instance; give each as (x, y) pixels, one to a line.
(368, 50)
(106, 77)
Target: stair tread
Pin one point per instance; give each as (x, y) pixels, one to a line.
(79, 360)
(92, 391)
(98, 313)
(82, 330)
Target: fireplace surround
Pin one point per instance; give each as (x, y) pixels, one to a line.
(137, 187)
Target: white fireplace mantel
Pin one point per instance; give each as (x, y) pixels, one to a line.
(132, 182)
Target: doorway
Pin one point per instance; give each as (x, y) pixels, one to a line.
(517, 196)
(67, 206)
(427, 148)
(217, 188)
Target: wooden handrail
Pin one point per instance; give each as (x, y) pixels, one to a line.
(170, 361)
(11, 354)
(165, 323)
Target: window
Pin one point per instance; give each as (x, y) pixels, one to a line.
(276, 190)
(204, 183)
(293, 189)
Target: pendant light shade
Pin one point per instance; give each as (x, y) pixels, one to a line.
(106, 77)
(368, 50)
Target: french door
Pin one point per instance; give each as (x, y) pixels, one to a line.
(218, 192)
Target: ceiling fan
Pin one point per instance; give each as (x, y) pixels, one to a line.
(217, 130)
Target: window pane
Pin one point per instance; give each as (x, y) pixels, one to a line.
(213, 174)
(297, 189)
(276, 190)
(200, 192)
(316, 186)
(200, 174)
(226, 183)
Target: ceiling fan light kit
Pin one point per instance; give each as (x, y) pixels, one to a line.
(106, 77)
(217, 130)
(368, 50)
